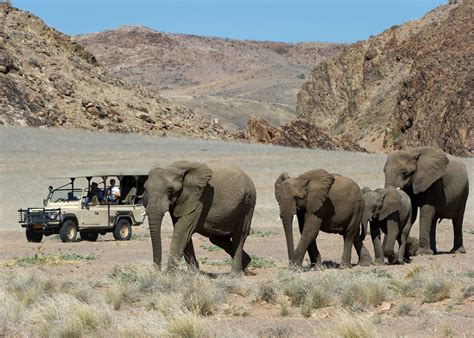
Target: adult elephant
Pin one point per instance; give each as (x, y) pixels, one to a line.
(215, 200)
(437, 183)
(321, 201)
(388, 210)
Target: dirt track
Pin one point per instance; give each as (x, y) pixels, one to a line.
(29, 156)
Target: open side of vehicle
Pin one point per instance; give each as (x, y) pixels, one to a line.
(88, 211)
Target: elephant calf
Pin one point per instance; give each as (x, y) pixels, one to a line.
(388, 210)
(215, 200)
(321, 201)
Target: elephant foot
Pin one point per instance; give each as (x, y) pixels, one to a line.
(379, 262)
(459, 250)
(365, 262)
(407, 259)
(424, 251)
(345, 265)
(317, 267)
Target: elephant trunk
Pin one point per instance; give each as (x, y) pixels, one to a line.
(365, 224)
(288, 227)
(154, 221)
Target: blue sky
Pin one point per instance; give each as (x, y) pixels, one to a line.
(275, 20)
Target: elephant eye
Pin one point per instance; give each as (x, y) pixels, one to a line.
(170, 191)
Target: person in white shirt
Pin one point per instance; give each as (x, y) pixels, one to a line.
(113, 192)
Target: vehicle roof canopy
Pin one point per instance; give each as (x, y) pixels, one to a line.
(103, 173)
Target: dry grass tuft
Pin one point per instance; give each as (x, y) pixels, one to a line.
(353, 326)
(403, 309)
(267, 291)
(66, 316)
(186, 326)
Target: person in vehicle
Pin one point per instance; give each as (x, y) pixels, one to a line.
(113, 192)
(93, 197)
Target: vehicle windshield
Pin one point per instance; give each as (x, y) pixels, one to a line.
(65, 195)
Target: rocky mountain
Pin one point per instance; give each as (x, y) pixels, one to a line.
(411, 85)
(46, 79)
(227, 79)
(298, 133)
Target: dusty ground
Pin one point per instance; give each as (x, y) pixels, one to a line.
(29, 156)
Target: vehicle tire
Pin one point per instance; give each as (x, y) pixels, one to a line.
(68, 231)
(89, 236)
(123, 230)
(34, 237)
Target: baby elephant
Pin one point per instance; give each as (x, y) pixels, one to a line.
(389, 210)
(321, 201)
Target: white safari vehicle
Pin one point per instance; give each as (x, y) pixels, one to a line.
(71, 209)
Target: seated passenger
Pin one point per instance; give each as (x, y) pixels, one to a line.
(113, 192)
(93, 196)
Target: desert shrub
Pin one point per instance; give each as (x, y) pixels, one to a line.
(363, 291)
(202, 295)
(261, 262)
(53, 259)
(435, 290)
(468, 292)
(403, 309)
(186, 326)
(10, 313)
(350, 325)
(295, 285)
(144, 326)
(317, 298)
(267, 292)
(277, 331)
(66, 316)
(284, 309)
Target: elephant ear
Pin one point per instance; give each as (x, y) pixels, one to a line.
(282, 178)
(391, 203)
(195, 178)
(317, 188)
(431, 165)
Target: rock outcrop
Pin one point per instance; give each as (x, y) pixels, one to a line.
(47, 79)
(411, 85)
(297, 133)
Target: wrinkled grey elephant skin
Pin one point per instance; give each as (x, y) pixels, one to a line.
(214, 200)
(437, 184)
(388, 210)
(321, 201)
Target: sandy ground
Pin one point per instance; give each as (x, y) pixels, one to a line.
(28, 157)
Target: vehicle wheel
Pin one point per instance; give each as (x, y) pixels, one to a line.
(89, 236)
(123, 230)
(34, 237)
(68, 231)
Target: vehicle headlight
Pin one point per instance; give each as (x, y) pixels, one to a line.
(52, 215)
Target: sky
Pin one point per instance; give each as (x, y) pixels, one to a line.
(274, 20)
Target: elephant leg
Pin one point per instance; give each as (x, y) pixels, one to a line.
(391, 237)
(403, 255)
(190, 256)
(434, 224)
(362, 252)
(313, 252)
(238, 242)
(375, 234)
(427, 213)
(183, 229)
(226, 244)
(458, 246)
(312, 224)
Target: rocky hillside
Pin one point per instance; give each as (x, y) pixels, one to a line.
(46, 79)
(227, 79)
(411, 85)
(298, 133)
